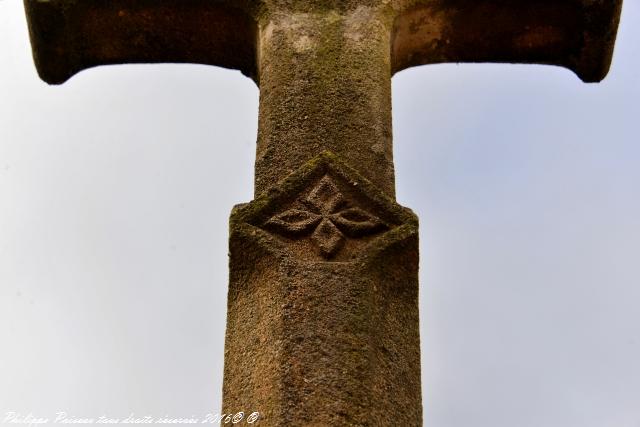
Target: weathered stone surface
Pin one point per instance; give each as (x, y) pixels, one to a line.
(323, 66)
(317, 339)
(322, 311)
(71, 35)
(576, 34)
(325, 84)
(327, 216)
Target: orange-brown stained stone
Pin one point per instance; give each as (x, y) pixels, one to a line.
(70, 35)
(316, 341)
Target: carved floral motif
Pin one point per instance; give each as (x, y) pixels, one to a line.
(328, 217)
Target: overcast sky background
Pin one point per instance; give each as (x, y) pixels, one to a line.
(115, 191)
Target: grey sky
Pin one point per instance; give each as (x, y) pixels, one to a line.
(115, 190)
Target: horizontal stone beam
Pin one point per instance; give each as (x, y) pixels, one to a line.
(69, 36)
(575, 34)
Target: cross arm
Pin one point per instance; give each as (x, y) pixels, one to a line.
(575, 34)
(71, 35)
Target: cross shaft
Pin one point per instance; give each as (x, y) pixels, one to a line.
(325, 84)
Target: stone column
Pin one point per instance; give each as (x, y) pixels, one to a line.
(325, 84)
(323, 295)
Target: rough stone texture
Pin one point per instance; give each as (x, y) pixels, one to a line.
(324, 340)
(576, 34)
(71, 35)
(325, 84)
(323, 294)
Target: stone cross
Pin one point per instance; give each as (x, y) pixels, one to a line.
(322, 326)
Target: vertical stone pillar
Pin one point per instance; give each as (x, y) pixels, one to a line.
(323, 303)
(323, 295)
(325, 84)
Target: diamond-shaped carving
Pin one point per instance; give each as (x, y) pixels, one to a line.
(328, 238)
(325, 197)
(327, 219)
(324, 210)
